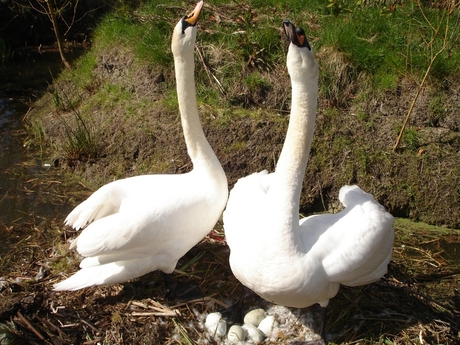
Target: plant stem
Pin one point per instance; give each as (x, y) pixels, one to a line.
(428, 70)
(52, 16)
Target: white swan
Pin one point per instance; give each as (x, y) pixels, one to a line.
(294, 263)
(144, 223)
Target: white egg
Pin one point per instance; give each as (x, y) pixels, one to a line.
(254, 333)
(254, 317)
(267, 324)
(236, 333)
(216, 325)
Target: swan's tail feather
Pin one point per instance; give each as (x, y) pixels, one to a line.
(96, 275)
(111, 273)
(353, 195)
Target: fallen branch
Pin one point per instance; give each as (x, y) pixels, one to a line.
(29, 325)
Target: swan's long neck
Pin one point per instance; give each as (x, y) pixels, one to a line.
(198, 148)
(293, 159)
(286, 186)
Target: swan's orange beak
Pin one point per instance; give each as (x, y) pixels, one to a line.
(192, 18)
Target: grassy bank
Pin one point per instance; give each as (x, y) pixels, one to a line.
(116, 114)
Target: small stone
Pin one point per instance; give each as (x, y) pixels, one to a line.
(254, 317)
(41, 274)
(266, 325)
(254, 333)
(236, 333)
(216, 325)
(3, 283)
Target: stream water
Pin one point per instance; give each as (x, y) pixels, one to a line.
(28, 193)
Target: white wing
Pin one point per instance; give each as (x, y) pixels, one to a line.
(355, 245)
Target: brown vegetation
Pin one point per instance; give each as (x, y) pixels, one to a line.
(416, 302)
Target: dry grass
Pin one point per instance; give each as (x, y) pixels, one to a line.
(416, 303)
(339, 79)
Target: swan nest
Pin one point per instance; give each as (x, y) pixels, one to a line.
(259, 324)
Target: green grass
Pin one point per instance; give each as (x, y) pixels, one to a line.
(381, 43)
(411, 227)
(411, 138)
(388, 44)
(81, 143)
(438, 109)
(83, 73)
(37, 135)
(169, 101)
(147, 38)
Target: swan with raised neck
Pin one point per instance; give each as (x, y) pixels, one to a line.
(146, 223)
(295, 262)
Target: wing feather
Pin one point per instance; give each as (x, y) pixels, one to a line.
(355, 242)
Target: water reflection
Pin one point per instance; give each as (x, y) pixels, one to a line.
(18, 201)
(28, 76)
(11, 153)
(30, 192)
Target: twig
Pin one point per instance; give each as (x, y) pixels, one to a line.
(32, 328)
(204, 299)
(89, 325)
(209, 73)
(51, 325)
(3, 197)
(158, 309)
(94, 341)
(428, 70)
(183, 332)
(153, 313)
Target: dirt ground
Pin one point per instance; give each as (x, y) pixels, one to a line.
(417, 302)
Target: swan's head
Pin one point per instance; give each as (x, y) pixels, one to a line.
(184, 34)
(301, 62)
